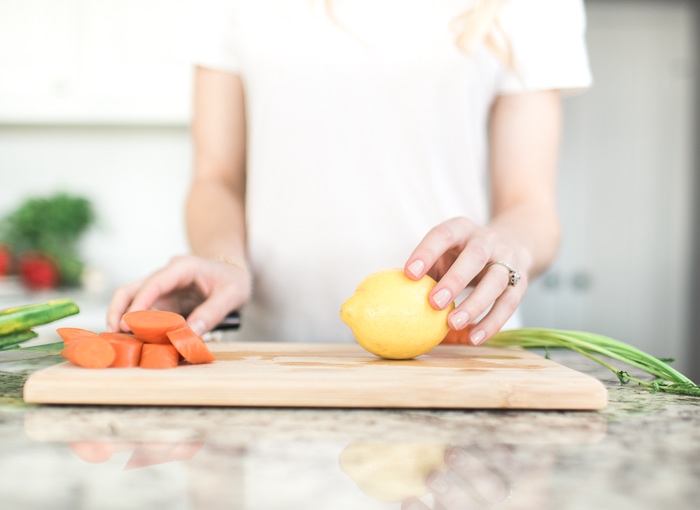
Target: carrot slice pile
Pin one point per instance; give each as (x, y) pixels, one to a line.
(126, 347)
(159, 356)
(160, 340)
(190, 346)
(152, 326)
(89, 352)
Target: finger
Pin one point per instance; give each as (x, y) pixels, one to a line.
(502, 309)
(211, 311)
(156, 286)
(490, 286)
(175, 275)
(449, 234)
(446, 493)
(488, 482)
(121, 299)
(465, 268)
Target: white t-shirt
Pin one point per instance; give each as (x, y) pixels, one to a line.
(366, 128)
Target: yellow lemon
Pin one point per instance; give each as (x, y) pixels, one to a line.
(392, 472)
(390, 315)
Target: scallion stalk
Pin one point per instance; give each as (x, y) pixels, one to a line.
(592, 345)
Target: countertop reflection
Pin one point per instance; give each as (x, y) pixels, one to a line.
(641, 452)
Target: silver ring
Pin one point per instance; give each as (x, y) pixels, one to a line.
(513, 274)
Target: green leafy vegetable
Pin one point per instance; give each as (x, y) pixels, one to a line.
(593, 346)
(51, 225)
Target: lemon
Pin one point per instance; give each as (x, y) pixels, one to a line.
(392, 472)
(390, 315)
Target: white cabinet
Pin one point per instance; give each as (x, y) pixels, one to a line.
(92, 61)
(626, 183)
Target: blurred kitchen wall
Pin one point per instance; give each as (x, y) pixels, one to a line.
(693, 306)
(626, 184)
(94, 100)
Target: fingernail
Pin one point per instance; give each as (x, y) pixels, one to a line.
(416, 268)
(478, 336)
(438, 483)
(442, 297)
(456, 458)
(459, 319)
(198, 327)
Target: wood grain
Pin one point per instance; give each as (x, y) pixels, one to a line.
(331, 375)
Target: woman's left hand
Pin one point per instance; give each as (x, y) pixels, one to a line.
(523, 231)
(458, 253)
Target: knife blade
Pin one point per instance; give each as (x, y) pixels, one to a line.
(231, 322)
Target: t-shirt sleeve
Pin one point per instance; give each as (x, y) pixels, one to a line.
(207, 34)
(547, 40)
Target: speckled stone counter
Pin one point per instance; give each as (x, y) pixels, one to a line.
(642, 452)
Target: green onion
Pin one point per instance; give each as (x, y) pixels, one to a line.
(22, 318)
(13, 340)
(591, 345)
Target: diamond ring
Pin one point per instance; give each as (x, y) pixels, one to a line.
(513, 274)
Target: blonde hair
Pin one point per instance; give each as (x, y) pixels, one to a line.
(477, 25)
(480, 24)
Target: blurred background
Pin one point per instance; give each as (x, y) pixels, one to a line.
(94, 101)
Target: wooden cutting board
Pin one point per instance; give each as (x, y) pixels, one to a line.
(331, 375)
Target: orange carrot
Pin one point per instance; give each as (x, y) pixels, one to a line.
(149, 454)
(159, 356)
(92, 451)
(151, 326)
(70, 334)
(190, 346)
(126, 347)
(185, 451)
(460, 336)
(89, 352)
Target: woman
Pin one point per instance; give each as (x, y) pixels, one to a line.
(333, 139)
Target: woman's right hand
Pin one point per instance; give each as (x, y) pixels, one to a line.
(203, 290)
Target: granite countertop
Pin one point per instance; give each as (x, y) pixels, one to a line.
(641, 452)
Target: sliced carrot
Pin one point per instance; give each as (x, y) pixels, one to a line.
(185, 451)
(152, 326)
(92, 451)
(70, 334)
(159, 356)
(190, 345)
(127, 349)
(149, 454)
(89, 352)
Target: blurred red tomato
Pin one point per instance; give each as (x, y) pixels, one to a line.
(5, 260)
(38, 271)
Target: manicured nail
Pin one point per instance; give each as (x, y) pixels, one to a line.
(438, 483)
(416, 268)
(456, 458)
(459, 319)
(442, 298)
(198, 327)
(478, 336)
